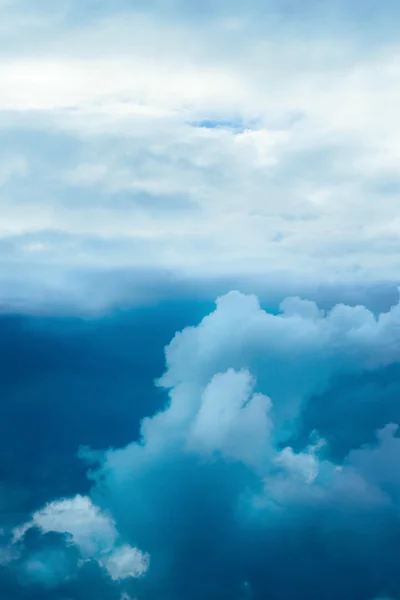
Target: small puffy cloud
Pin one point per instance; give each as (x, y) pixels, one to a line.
(125, 562)
(92, 531)
(303, 464)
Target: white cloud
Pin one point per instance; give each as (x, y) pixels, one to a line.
(216, 370)
(300, 191)
(219, 436)
(92, 531)
(125, 562)
(232, 420)
(217, 424)
(302, 464)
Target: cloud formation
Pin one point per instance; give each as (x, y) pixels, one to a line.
(92, 531)
(226, 493)
(219, 140)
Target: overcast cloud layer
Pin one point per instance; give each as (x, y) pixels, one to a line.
(201, 138)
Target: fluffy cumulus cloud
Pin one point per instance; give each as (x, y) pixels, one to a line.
(91, 531)
(243, 485)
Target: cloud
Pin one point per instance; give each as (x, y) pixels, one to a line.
(45, 567)
(104, 139)
(126, 562)
(225, 143)
(212, 491)
(231, 420)
(58, 372)
(62, 363)
(92, 531)
(215, 491)
(89, 528)
(292, 354)
(234, 487)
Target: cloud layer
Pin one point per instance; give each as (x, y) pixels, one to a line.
(209, 141)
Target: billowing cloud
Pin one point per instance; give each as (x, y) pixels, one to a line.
(212, 488)
(292, 354)
(226, 493)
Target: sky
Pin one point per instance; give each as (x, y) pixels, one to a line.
(200, 138)
(199, 300)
